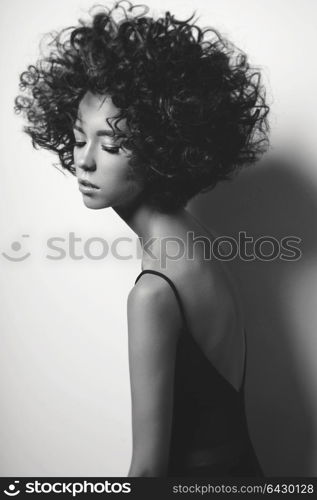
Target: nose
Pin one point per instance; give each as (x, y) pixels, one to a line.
(85, 160)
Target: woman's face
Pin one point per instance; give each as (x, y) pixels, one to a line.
(98, 158)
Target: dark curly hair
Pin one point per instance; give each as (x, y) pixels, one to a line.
(195, 110)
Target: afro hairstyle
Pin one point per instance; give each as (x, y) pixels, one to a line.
(194, 107)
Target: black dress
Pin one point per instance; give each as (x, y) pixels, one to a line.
(209, 435)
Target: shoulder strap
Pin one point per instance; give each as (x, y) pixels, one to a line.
(158, 273)
(245, 361)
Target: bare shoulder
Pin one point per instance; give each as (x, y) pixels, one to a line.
(153, 322)
(152, 305)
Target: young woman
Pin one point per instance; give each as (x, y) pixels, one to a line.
(147, 113)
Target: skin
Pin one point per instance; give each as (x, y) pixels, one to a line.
(98, 159)
(154, 320)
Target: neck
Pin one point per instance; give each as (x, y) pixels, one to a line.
(148, 222)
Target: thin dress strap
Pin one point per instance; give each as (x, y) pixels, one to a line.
(245, 361)
(158, 273)
(152, 271)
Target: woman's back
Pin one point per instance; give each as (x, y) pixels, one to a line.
(209, 430)
(209, 433)
(212, 311)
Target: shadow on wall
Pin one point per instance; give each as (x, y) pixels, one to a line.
(272, 198)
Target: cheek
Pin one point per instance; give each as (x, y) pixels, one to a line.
(115, 172)
(120, 184)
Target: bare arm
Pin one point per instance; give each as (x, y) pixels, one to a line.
(154, 323)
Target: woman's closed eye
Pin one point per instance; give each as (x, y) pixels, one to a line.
(109, 149)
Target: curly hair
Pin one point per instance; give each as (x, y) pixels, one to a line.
(195, 110)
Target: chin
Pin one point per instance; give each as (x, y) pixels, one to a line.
(94, 204)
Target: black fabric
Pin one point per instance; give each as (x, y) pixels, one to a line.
(209, 435)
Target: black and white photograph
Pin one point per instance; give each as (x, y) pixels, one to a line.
(158, 273)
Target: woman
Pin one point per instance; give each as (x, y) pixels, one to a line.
(147, 114)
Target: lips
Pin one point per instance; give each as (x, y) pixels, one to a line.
(87, 184)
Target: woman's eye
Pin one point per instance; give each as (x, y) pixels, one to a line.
(113, 150)
(79, 144)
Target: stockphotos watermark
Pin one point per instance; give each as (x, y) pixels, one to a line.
(64, 487)
(247, 248)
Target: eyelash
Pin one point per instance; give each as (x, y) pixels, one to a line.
(112, 150)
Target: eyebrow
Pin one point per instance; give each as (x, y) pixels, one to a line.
(99, 133)
(105, 132)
